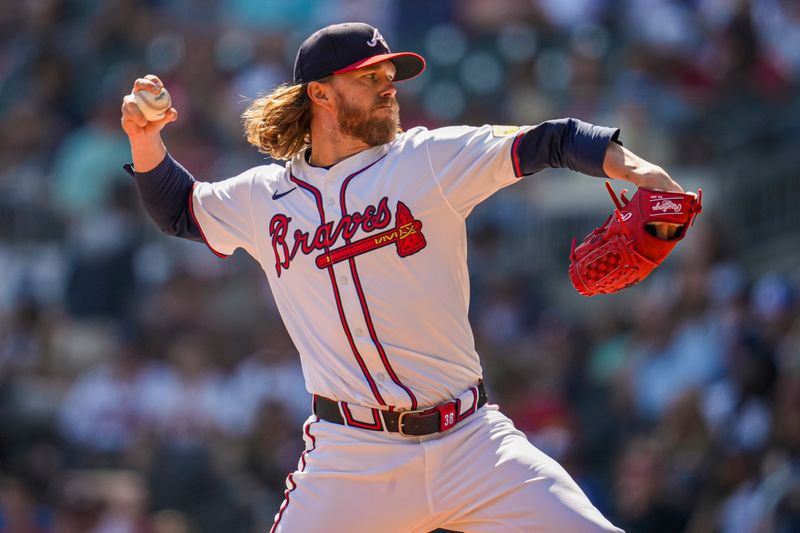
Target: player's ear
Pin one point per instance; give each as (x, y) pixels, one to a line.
(320, 93)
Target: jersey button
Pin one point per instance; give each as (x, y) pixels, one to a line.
(331, 201)
(381, 377)
(359, 332)
(343, 280)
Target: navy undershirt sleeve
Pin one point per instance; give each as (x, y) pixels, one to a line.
(565, 143)
(165, 192)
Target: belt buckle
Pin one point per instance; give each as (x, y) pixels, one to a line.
(447, 417)
(403, 414)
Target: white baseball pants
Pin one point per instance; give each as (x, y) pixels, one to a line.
(481, 476)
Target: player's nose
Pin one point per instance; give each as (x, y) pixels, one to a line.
(388, 90)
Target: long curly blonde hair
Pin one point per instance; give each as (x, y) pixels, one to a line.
(279, 123)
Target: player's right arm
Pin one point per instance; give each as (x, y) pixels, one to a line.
(147, 147)
(219, 213)
(165, 187)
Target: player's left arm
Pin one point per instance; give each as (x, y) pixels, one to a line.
(470, 164)
(585, 148)
(592, 150)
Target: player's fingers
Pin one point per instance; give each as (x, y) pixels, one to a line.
(169, 116)
(130, 111)
(155, 79)
(666, 231)
(655, 177)
(145, 84)
(155, 126)
(130, 127)
(142, 84)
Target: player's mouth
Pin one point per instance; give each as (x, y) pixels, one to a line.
(387, 104)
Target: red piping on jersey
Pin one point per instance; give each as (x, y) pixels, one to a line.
(203, 235)
(318, 198)
(375, 426)
(363, 301)
(290, 480)
(515, 155)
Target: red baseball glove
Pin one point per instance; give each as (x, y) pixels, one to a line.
(625, 249)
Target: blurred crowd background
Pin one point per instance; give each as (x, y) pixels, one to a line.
(147, 386)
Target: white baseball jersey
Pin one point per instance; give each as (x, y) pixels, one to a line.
(367, 260)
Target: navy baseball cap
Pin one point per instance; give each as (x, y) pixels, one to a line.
(344, 47)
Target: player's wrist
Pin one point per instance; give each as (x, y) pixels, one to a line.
(144, 138)
(147, 153)
(622, 164)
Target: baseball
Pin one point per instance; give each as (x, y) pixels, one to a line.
(153, 106)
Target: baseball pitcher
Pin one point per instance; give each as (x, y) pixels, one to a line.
(362, 238)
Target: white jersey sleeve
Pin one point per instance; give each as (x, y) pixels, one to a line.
(223, 211)
(470, 164)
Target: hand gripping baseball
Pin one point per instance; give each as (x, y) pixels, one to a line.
(134, 122)
(626, 248)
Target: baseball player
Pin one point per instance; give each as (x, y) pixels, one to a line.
(362, 238)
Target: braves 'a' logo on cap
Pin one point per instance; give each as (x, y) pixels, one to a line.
(377, 38)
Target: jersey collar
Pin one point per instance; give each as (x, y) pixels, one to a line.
(340, 169)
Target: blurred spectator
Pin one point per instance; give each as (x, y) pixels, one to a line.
(640, 495)
(171, 521)
(87, 163)
(103, 501)
(687, 445)
(101, 280)
(778, 25)
(272, 375)
(774, 306)
(184, 478)
(79, 504)
(737, 407)
(740, 509)
(19, 510)
(182, 403)
(677, 348)
(22, 340)
(103, 414)
(271, 453)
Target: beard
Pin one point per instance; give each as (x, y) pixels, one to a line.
(361, 124)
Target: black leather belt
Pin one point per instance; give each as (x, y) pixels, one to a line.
(411, 423)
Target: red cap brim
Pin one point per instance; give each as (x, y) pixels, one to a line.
(409, 65)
